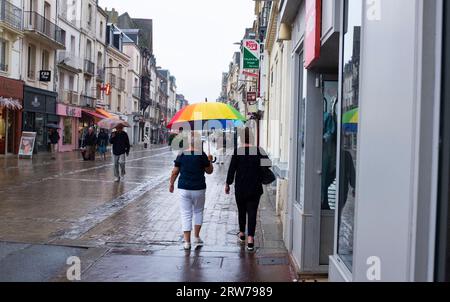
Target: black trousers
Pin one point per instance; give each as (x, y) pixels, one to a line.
(248, 207)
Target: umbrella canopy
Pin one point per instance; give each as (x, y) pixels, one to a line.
(203, 112)
(53, 126)
(111, 123)
(350, 120)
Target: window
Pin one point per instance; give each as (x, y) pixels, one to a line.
(45, 60)
(71, 83)
(31, 64)
(72, 45)
(349, 132)
(89, 50)
(89, 22)
(87, 87)
(101, 29)
(3, 55)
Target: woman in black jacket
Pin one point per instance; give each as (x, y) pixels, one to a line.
(245, 172)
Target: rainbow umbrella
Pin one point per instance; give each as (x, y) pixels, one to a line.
(211, 114)
(205, 112)
(350, 120)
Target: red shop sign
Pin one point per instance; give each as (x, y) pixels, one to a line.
(313, 31)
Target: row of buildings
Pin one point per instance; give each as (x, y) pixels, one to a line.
(353, 109)
(71, 63)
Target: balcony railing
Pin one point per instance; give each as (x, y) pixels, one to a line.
(89, 67)
(69, 97)
(69, 59)
(113, 80)
(121, 84)
(38, 23)
(87, 101)
(10, 14)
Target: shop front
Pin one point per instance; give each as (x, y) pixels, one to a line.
(310, 215)
(39, 110)
(69, 118)
(388, 143)
(11, 100)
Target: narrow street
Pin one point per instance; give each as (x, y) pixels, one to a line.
(128, 231)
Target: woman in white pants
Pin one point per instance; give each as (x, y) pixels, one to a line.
(191, 166)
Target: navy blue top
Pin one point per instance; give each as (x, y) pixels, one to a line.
(192, 171)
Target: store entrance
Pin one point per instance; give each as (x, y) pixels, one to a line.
(443, 235)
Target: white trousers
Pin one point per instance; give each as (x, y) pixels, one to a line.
(192, 206)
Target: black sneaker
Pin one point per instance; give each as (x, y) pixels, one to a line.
(241, 239)
(251, 247)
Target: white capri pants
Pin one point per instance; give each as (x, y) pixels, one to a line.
(192, 205)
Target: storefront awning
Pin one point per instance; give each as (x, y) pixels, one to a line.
(11, 104)
(94, 114)
(106, 113)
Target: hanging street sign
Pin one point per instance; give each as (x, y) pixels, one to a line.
(251, 54)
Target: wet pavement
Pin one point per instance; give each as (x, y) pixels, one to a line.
(129, 231)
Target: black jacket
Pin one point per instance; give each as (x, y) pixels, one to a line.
(120, 142)
(54, 137)
(90, 140)
(245, 171)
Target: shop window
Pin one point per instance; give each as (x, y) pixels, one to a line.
(67, 135)
(349, 132)
(301, 135)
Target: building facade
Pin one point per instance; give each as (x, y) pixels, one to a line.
(11, 86)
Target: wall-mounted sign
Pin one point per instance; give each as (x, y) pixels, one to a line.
(27, 144)
(45, 76)
(251, 55)
(313, 31)
(251, 97)
(63, 110)
(250, 74)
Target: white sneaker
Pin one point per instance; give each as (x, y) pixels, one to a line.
(117, 179)
(187, 246)
(198, 242)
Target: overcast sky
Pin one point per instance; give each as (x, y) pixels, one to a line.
(193, 38)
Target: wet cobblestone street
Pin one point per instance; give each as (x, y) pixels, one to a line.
(128, 231)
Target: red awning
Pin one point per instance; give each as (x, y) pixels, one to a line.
(93, 114)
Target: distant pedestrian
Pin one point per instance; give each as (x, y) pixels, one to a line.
(191, 166)
(90, 143)
(102, 142)
(245, 171)
(54, 138)
(121, 149)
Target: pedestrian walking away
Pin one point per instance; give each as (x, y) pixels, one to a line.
(54, 138)
(90, 144)
(102, 142)
(121, 149)
(246, 173)
(191, 166)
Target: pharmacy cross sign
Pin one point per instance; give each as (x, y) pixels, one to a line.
(251, 54)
